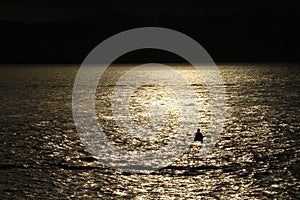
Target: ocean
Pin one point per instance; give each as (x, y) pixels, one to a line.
(257, 155)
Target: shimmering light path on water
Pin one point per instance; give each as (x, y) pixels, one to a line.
(257, 157)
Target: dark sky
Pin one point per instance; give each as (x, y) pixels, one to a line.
(47, 10)
(57, 31)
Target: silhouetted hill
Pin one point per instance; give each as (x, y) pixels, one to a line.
(232, 38)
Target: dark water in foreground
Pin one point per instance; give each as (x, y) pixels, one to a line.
(257, 156)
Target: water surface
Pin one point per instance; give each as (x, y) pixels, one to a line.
(257, 156)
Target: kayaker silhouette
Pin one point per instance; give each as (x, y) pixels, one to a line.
(198, 136)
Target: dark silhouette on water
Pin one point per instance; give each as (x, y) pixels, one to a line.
(199, 136)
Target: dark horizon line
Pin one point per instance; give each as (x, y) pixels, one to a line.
(117, 63)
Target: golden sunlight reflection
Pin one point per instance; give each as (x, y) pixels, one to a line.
(257, 156)
(149, 99)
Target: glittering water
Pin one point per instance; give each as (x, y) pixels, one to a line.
(257, 156)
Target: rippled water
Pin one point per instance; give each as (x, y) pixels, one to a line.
(257, 156)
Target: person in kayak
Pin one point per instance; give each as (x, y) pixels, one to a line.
(198, 136)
